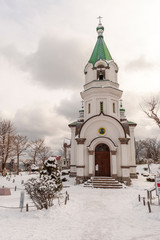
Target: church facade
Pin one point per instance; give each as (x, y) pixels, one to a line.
(102, 139)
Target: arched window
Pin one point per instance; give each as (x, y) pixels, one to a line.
(100, 72)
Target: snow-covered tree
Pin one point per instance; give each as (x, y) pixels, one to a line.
(43, 189)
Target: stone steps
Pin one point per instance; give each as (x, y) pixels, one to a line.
(105, 182)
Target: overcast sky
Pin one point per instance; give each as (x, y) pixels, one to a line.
(45, 46)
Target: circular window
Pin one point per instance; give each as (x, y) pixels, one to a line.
(102, 131)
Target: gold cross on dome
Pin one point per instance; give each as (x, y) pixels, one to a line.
(99, 19)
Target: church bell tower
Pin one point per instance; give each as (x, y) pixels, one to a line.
(101, 90)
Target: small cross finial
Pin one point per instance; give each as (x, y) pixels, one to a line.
(99, 19)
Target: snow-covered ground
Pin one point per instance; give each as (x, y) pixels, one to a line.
(90, 214)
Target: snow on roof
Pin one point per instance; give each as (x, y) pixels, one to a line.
(55, 157)
(52, 158)
(67, 141)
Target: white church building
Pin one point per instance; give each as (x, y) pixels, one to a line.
(102, 139)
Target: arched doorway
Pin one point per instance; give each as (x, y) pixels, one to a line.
(102, 160)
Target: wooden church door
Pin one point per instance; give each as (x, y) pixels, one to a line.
(102, 160)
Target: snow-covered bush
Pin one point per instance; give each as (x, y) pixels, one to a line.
(42, 190)
(34, 168)
(145, 174)
(151, 178)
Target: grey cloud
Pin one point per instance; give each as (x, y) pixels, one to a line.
(57, 63)
(131, 102)
(13, 55)
(139, 64)
(39, 122)
(70, 108)
(145, 127)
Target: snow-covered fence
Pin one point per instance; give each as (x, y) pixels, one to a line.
(27, 207)
(149, 194)
(144, 202)
(149, 198)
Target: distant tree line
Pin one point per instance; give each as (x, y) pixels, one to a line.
(15, 146)
(148, 149)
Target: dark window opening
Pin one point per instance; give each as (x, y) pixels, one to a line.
(100, 74)
(114, 108)
(102, 148)
(89, 107)
(101, 106)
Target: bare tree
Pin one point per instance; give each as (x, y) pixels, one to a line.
(139, 149)
(7, 132)
(35, 147)
(27, 164)
(44, 154)
(151, 108)
(20, 145)
(152, 148)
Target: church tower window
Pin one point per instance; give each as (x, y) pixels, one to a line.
(114, 108)
(101, 106)
(89, 108)
(100, 72)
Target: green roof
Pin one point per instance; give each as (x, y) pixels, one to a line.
(100, 51)
(132, 123)
(72, 124)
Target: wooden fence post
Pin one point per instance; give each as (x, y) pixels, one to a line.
(27, 208)
(66, 198)
(149, 207)
(148, 195)
(144, 203)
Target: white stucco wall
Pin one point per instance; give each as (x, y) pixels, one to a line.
(114, 131)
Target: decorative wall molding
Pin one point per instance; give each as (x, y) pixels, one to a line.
(90, 152)
(80, 166)
(125, 166)
(113, 152)
(124, 140)
(80, 140)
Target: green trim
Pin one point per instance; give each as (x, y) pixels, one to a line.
(132, 123)
(122, 110)
(100, 28)
(72, 124)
